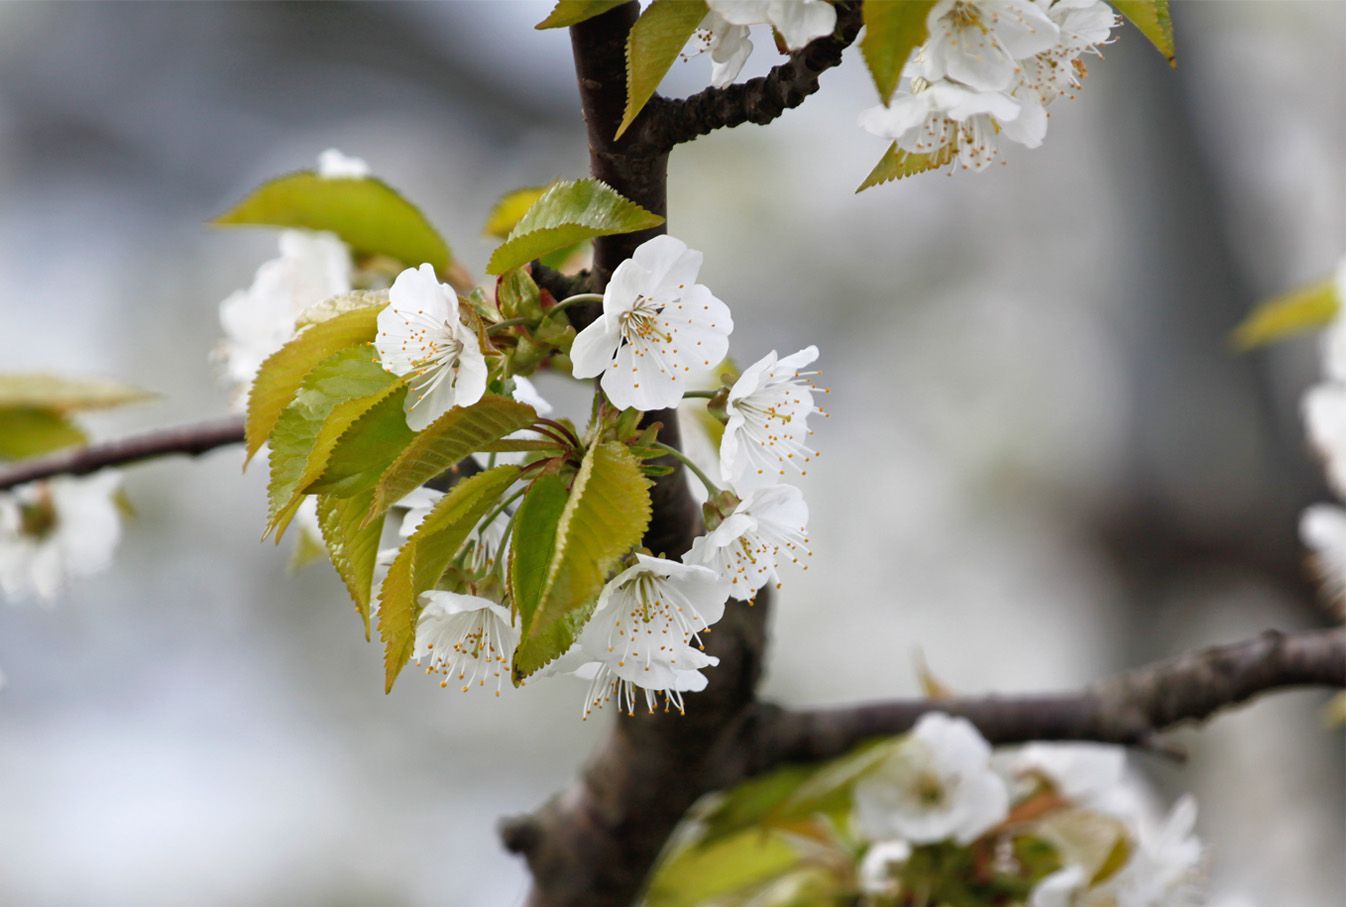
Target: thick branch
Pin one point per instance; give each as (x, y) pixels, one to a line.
(758, 100)
(1127, 709)
(192, 440)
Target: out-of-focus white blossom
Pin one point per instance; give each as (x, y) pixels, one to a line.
(334, 165)
(725, 29)
(936, 785)
(876, 873)
(466, 638)
(421, 335)
(1322, 529)
(660, 330)
(767, 421)
(55, 529)
(1089, 775)
(768, 526)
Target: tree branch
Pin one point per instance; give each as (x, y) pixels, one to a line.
(758, 100)
(1128, 709)
(192, 440)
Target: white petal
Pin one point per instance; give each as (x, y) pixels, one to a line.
(593, 349)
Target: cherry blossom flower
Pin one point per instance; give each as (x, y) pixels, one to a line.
(645, 633)
(259, 320)
(875, 874)
(334, 165)
(1322, 529)
(726, 26)
(659, 330)
(1084, 26)
(54, 529)
(1324, 409)
(421, 335)
(465, 638)
(767, 426)
(979, 42)
(767, 526)
(937, 784)
(1089, 775)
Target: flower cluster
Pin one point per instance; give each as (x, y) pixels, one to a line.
(940, 814)
(1323, 526)
(989, 69)
(724, 32)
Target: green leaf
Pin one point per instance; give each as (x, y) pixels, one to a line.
(280, 376)
(566, 214)
(892, 32)
(694, 876)
(426, 555)
(65, 395)
(340, 305)
(534, 540)
(653, 44)
(367, 214)
(573, 12)
(1152, 18)
(511, 207)
(30, 432)
(1303, 310)
(352, 546)
(605, 516)
(454, 435)
(896, 164)
(334, 394)
(367, 448)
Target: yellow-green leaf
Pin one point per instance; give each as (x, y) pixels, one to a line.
(565, 214)
(65, 395)
(605, 516)
(573, 12)
(426, 555)
(30, 432)
(1303, 310)
(307, 550)
(340, 305)
(652, 45)
(1154, 22)
(459, 432)
(512, 206)
(534, 542)
(281, 375)
(896, 164)
(334, 394)
(694, 876)
(352, 546)
(366, 213)
(365, 449)
(892, 32)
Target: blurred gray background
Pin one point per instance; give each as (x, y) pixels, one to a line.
(1044, 463)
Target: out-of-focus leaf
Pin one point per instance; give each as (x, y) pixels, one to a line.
(366, 449)
(352, 546)
(892, 32)
(338, 391)
(1087, 839)
(1312, 307)
(512, 206)
(340, 305)
(568, 213)
(652, 46)
(307, 550)
(897, 164)
(426, 555)
(573, 12)
(1154, 22)
(1334, 713)
(65, 395)
(931, 686)
(366, 213)
(28, 432)
(460, 431)
(605, 516)
(280, 376)
(696, 876)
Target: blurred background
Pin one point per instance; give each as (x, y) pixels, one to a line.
(1044, 463)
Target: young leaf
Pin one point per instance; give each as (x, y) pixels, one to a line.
(1303, 310)
(367, 214)
(426, 555)
(509, 209)
(30, 432)
(720, 875)
(281, 375)
(365, 449)
(605, 516)
(1152, 18)
(534, 542)
(573, 12)
(566, 214)
(892, 32)
(352, 546)
(459, 432)
(896, 164)
(334, 394)
(652, 45)
(65, 395)
(340, 305)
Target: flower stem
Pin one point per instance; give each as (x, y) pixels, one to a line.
(507, 323)
(577, 299)
(711, 488)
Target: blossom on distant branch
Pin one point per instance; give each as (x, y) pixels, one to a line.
(55, 529)
(725, 29)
